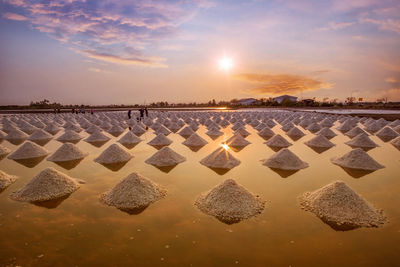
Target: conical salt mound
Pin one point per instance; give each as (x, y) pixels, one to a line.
(47, 185)
(67, 152)
(237, 141)
(362, 141)
(220, 159)
(266, 133)
(165, 157)
(69, 136)
(138, 130)
(116, 130)
(242, 131)
(195, 141)
(387, 134)
(355, 131)
(342, 208)
(357, 159)
(160, 140)
(52, 128)
(134, 192)
(4, 151)
(328, 133)
(214, 133)
(295, 132)
(230, 202)
(6, 180)
(396, 142)
(129, 139)
(319, 141)
(28, 150)
(278, 141)
(285, 160)
(16, 134)
(97, 137)
(186, 132)
(40, 135)
(113, 154)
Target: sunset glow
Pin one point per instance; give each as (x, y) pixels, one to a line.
(225, 64)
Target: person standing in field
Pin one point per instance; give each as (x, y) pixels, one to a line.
(146, 111)
(141, 110)
(129, 114)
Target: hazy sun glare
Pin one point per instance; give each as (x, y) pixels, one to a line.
(225, 63)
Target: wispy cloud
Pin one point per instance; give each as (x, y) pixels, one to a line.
(107, 28)
(392, 25)
(14, 16)
(282, 83)
(336, 26)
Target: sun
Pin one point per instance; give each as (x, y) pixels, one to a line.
(225, 63)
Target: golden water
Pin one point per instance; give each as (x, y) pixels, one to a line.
(173, 232)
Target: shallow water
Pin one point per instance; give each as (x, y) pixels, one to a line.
(173, 232)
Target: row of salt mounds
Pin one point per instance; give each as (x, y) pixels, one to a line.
(285, 160)
(49, 184)
(319, 143)
(129, 140)
(4, 151)
(237, 141)
(278, 142)
(341, 207)
(361, 141)
(160, 141)
(386, 134)
(195, 141)
(396, 142)
(28, 150)
(220, 158)
(165, 157)
(326, 132)
(357, 159)
(67, 152)
(113, 154)
(6, 180)
(69, 136)
(230, 202)
(134, 192)
(40, 137)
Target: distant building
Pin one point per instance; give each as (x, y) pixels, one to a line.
(246, 101)
(281, 98)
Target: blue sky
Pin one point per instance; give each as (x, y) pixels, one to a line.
(122, 52)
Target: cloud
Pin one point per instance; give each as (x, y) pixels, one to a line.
(106, 28)
(392, 25)
(336, 26)
(282, 83)
(14, 16)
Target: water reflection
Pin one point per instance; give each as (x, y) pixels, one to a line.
(284, 173)
(356, 173)
(30, 163)
(114, 166)
(68, 165)
(50, 204)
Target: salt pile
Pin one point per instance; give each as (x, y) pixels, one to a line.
(49, 184)
(396, 142)
(113, 154)
(278, 141)
(355, 131)
(134, 192)
(97, 137)
(314, 127)
(4, 151)
(238, 141)
(165, 157)
(285, 160)
(52, 128)
(40, 137)
(266, 133)
(295, 132)
(69, 136)
(138, 130)
(341, 207)
(357, 159)
(387, 134)
(162, 130)
(28, 150)
(242, 131)
(6, 180)
(230, 202)
(67, 152)
(16, 134)
(220, 159)
(214, 133)
(319, 141)
(116, 130)
(129, 140)
(328, 133)
(362, 141)
(160, 140)
(195, 141)
(186, 132)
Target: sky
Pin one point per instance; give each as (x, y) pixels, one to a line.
(137, 52)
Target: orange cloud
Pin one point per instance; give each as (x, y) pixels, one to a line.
(14, 16)
(282, 83)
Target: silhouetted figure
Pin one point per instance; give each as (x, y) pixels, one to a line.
(129, 114)
(73, 111)
(141, 113)
(91, 111)
(146, 111)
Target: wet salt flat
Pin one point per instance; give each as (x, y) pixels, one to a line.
(270, 229)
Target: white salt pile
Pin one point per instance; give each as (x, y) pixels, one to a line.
(195, 141)
(116, 130)
(165, 157)
(266, 133)
(387, 134)
(132, 193)
(160, 140)
(230, 202)
(238, 141)
(4, 151)
(40, 135)
(69, 136)
(113, 154)
(129, 139)
(357, 159)
(6, 180)
(67, 152)
(355, 131)
(138, 130)
(213, 133)
(242, 131)
(16, 134)
(295, 132)
(362, 141)
(339, 206)
(285, 160)
(221, 159)
(328, 133)
(52, 128)
(278, 141)
(314, 127)
(28, 150)
(49, 184)
(97, 137)
(396, 142)
(186, 132)
(162, 130)
(319, 141)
